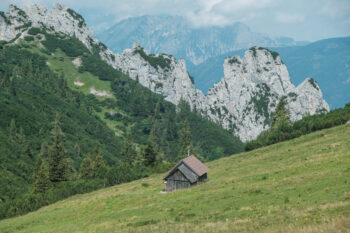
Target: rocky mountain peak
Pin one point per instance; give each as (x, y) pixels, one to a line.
(243, 101)
(59, 18)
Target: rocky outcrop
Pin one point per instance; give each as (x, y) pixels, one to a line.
(243, 101)
(246, 97)
(160, 73)
(59, 19)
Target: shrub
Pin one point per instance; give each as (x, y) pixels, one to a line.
(28, 38)
(155, 61)
(34, 31)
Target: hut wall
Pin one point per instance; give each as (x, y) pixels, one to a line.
(176, 181)
(203, 178)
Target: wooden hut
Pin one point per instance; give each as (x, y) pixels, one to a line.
(186, 173)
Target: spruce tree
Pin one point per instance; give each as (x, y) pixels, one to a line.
(98, 163)
(282, 113)
(128, 153)
(185, 141)
(41, 177)
(29, 150)
(149, 155)
(56, 155)
(77, 149)
(44, 150)
(13, 130)
(21, 138)
(156, 135)
(86, 168)
(93, 166)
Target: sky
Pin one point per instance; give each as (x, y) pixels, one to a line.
(303, 20)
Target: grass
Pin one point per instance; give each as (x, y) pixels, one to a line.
(62, 63)
(112, 124)
(302, 185)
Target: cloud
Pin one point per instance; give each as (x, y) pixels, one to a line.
(289, 18)
(223, 12)
(347, 81)
(321, 18)
(336, 8)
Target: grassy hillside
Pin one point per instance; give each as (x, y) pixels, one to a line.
(302, 185)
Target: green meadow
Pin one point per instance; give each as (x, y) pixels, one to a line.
(301, 185)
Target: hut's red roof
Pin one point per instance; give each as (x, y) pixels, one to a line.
(194, 164)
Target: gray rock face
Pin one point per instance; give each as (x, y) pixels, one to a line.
(251, 89)
(59, 18)
(243, 101)
(173, 82)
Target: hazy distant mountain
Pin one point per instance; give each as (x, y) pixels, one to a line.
(174, 35)
(327, 61)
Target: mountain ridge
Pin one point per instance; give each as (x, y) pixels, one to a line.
(325, 61)
(170, 78)
(175, 35)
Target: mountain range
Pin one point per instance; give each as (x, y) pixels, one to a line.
(174, 35)
(205, 49)
(260, 73)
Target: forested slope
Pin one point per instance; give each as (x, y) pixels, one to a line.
(44, 112)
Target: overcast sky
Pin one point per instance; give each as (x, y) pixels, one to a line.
(301, 19)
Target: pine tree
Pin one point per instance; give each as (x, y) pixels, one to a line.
(281, 115)
(93, 166)
(29, 150)
(21, 138)
(41, 133)
(86, 168)
(128, 154)
(41, 176)
(77, 149)
(98, 163)
(158, 131)
(5, 80)
(44, 150)
(56, 155)
(149, 155)
(185, 141)
(13, 130)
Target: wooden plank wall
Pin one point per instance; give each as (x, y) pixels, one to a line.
(177, 181)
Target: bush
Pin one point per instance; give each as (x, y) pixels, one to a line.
(71, 46)
(34, 31)
(153, 60)
(28, 38)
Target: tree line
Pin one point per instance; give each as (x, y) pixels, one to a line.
(282, 128)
